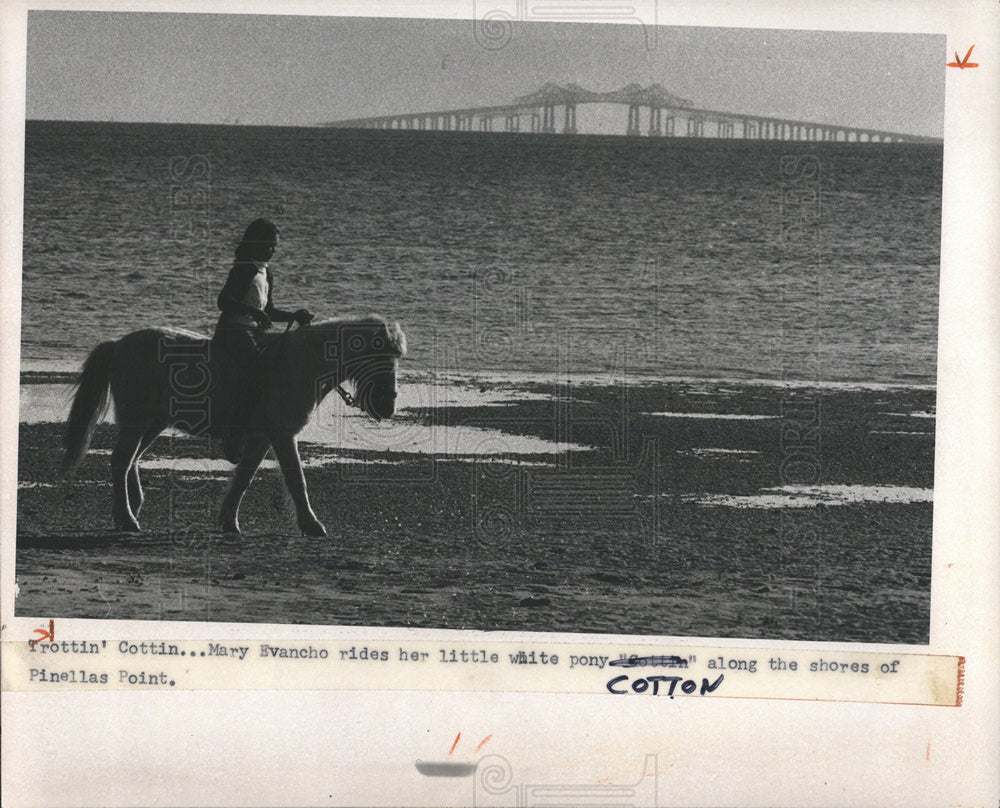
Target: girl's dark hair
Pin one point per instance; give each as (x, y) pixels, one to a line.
(260, 234)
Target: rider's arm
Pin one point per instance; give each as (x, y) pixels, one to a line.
(272, 311)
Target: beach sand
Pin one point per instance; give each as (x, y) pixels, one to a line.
(660, 521)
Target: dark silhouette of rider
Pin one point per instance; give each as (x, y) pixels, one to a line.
(247, 311)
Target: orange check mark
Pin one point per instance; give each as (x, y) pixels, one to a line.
(49, 635)
(961, 64)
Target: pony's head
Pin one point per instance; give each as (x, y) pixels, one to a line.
(369, 350)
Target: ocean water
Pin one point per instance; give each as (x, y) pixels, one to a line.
(500, 253)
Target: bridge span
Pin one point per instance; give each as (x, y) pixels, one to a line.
(652, 111)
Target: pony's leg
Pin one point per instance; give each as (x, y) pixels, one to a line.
(254, 449)
(286, 451)
(135, 495)
(122, 459)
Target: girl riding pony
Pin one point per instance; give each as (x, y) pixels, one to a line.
(247, 311)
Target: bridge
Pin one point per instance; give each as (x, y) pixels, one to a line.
(652, 111)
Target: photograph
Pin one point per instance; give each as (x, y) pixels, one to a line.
(480, 324)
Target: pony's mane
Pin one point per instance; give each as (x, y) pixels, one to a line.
(394, 334)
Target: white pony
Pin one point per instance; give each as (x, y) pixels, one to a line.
(164, 377)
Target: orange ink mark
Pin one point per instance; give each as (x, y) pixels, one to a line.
(961, 64)
(928, 757)
(454, 744)
(482, 743)
(49, 635)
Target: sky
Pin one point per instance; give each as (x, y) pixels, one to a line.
(296, 71)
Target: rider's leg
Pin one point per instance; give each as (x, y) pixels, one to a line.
(247, 392)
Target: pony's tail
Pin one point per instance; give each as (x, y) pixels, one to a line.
(89, 404)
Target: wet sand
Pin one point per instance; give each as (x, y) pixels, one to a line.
(660, 522)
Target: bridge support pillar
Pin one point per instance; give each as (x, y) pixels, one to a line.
(696, 127)
(668, 126)
(512, 123)
(485, 123)
(569, 121)
(536, 121)
(655, 123)
(633, 120)
(549, 118)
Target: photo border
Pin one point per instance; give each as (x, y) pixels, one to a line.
(709, 751)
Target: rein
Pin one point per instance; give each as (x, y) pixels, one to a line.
(349, 400)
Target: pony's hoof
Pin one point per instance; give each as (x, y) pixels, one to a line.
(313, 528)
(232, 529)
(128, 527)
